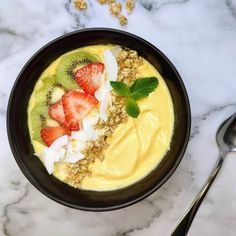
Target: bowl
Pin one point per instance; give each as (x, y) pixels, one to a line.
(34, 170)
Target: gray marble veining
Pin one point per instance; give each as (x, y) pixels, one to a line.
(199, 36)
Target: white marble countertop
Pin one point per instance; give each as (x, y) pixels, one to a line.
(199, 36)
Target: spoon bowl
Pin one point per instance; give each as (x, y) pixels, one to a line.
(226, 135)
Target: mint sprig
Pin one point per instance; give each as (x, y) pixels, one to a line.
(141, 88)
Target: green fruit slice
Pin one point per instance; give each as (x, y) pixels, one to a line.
(38, 116)
(49, 93)
(69, 64)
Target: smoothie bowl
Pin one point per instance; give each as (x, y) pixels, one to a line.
(98, 119)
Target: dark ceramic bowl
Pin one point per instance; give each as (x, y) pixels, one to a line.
(34, 170)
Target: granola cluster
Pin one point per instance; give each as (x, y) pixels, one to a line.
(128, 61)
(80, 4)
(123, 20)
(115, 8)
(129, 5)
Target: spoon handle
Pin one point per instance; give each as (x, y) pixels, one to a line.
(184, 224)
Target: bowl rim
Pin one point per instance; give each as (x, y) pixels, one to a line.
(28, 174)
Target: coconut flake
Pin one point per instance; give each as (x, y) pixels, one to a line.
(110, 65)
(51, 156)
(73, 157)
(59, 143)
(73, 153)
(87, 133)
(103, 93)
(79, 138)
(56, 152)
(116, 51)
(102, 96)
(90, 121)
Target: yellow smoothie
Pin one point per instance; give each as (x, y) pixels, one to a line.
(136, 147)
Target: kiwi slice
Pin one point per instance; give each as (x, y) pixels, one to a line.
(51, 123)
(38, 116)
(69, 64)
(49, 93)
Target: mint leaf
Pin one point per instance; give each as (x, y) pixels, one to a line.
(138, 90)
(142, 87)
(132, 108)
(121, 88)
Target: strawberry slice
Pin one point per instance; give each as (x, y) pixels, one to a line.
(76, 106)
(89, 77)
(73, 127)
(56, 112)
(50, 134)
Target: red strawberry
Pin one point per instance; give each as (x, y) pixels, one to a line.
(76, 106)
(89, 77)
(56, 112)
(73, 127)
(50, 134)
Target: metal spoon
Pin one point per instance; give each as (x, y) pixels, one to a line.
(226, 140)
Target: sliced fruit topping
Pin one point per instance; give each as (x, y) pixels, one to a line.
(38, 118)
(57, 94)
(56, 112)
(76, 106)
(111, 65)
(73, 126)
(50, 134)
(89, 77)
(69, 64)
(48, 90)
(51, 122)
